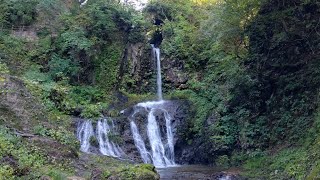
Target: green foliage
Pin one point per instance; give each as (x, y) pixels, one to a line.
(3, 68)
(282, 77)
(40, 130)
(57, 175)
(223, 161)
(290, 163)
(75, 41)
(18, 13)
(35, 76)
(94, 141)
(59, 68)
(136, 98)
(49, 14)
(108, 67)
(106, 174)
(92, 111)
(6, 172)
(64, 136)
(115, 137)
(12, 147)
(143, 172)
(41, 85)
(60, 134)
(253, 78)
(13, 52)
(89, 99)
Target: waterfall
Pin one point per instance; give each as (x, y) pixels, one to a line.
(161, 149)
(104, 130)
(138, 141)
(106, 146)
(84, 133)
(158, 153)
(170, 153)
(162, 152)
(156, 53)
(82, 3)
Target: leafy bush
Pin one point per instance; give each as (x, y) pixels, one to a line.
(18, 13)
(61, 134)
(223, 161)
(60, 68)
(12, 147)
(91, 101)
(6, 172)
(3, 68)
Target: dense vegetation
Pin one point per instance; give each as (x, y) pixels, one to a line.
(254, 80)
(253, 74)
(57, 60)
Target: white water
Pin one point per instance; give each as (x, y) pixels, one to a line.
(170, 145)
(162, 151)
(84, 132)
(156, 52)
(83, 3)
(158, 153)
(138, 141)
(106, 147)
(103, 130)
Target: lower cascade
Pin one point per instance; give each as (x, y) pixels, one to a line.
(161, 151)
(105, 128)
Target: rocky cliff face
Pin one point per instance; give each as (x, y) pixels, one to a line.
(17, 106)
(174, 74)
(139, 72)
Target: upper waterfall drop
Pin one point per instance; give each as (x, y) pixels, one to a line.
(156, 53)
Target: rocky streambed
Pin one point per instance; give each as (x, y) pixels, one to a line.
(197, 172)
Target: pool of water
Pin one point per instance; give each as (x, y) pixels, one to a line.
(193, 172)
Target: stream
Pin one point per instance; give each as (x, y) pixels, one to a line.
(196, 172)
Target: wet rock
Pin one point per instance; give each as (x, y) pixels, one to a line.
(121, 99)
(196, 172)
(45, 178)
(183, 86)
(96, 174)
(75, 178)
(175, 76)
(211, 120)
(140, 68)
